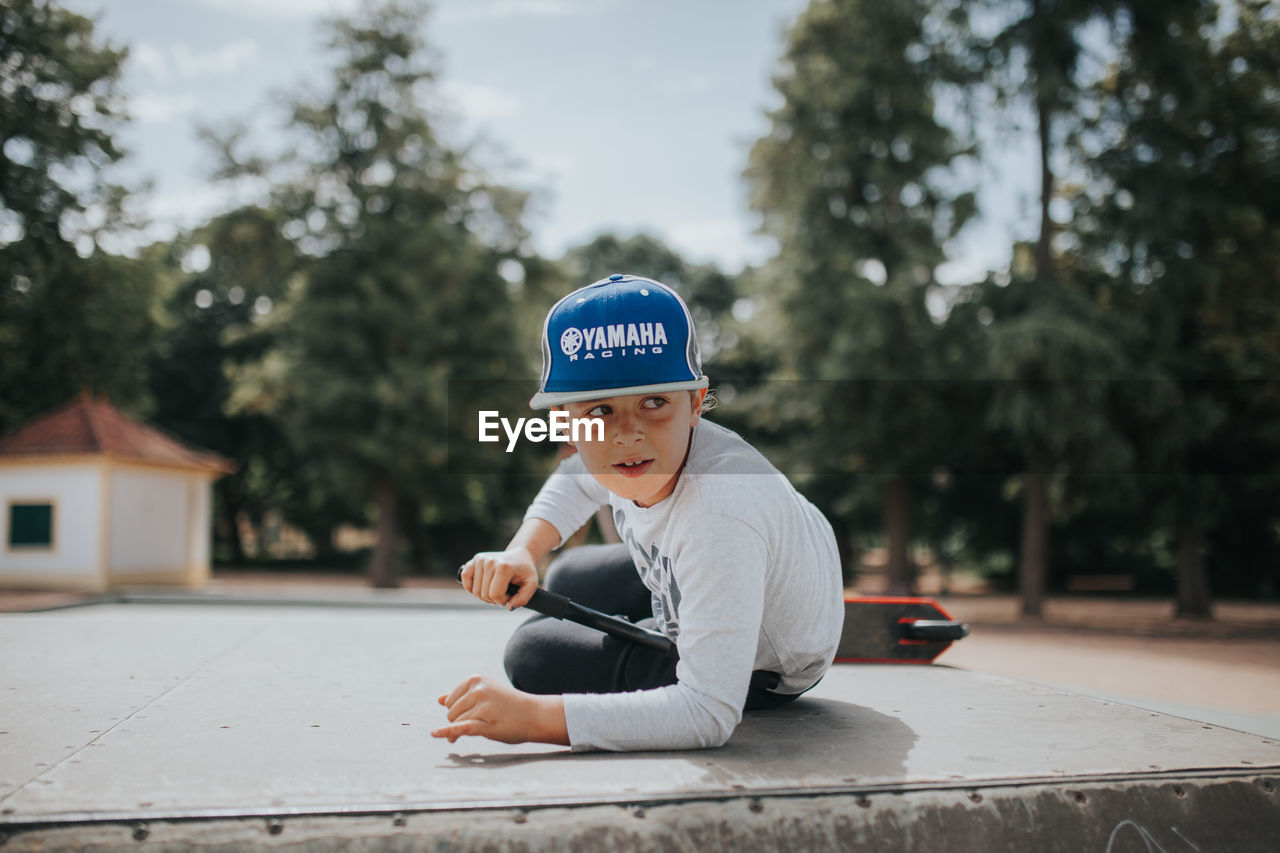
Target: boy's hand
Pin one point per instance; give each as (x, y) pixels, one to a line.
(482, 706)
(488, 574)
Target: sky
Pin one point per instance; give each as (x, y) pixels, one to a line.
(621, 116)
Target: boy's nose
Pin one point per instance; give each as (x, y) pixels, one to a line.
(627, 430)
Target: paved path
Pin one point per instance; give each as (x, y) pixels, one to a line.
(1226, 672)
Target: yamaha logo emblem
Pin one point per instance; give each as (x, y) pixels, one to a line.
(570, 341)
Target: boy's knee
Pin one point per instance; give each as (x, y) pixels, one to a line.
(577, 572)
(521, 660)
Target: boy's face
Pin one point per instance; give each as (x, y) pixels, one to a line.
(646, 437)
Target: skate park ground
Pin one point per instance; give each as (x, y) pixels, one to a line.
(1225, 671)
(296, 712)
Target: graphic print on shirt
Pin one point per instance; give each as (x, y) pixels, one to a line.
(656, 574)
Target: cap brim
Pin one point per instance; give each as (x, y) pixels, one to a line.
(546, 399)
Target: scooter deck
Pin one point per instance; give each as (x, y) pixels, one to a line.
(890, 629)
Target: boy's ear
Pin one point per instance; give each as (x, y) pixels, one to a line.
(698, 397)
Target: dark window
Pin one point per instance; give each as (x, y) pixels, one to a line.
(30, 525)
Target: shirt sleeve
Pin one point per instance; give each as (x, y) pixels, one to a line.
(719, 576)
(568, 498)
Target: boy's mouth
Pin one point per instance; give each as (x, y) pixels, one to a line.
(633, 469)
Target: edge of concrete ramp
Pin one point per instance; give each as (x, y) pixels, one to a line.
(1212, 809)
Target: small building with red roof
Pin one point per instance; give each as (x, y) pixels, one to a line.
(93, 499)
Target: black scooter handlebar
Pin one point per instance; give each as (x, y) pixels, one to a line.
(556, 606)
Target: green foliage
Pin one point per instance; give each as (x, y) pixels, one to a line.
(853, 182)
(60, 113)
(71, 316)
(1054, 369)
(1123, 373)
(212, 333)
(1180, 229)
(1104, 353)
(848, 172)
(403, 294)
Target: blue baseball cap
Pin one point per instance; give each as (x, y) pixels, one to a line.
(621, 335)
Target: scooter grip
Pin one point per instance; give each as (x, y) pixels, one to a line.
(544, 601)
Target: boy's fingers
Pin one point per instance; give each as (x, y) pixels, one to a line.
(479, 577)
(457, 730)
(478, 582)
(497, 590)
(466, 573)
(456, 693)
(491, 583)
(521, 598)
(464, 706)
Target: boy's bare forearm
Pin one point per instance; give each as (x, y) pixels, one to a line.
(536, 536)
(550, 725)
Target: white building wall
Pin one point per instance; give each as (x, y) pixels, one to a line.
(149, 520)
(76, 493)
(200, 536)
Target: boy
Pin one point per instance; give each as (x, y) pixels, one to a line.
(721, 553)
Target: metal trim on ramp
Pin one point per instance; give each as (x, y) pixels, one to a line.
(1236, 812)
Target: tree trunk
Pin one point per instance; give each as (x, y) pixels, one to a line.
(897, 523)
(1033, 568)
(1193, 600)
(1044, 257)
(417, 537)
(321, 538)
(257, 523)
(228, 509)
(383, 568)
(1044, 126)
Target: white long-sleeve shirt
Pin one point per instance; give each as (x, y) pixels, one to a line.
(744, 575)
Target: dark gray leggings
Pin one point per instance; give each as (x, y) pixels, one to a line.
(550, 656)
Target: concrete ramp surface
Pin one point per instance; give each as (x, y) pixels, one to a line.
(147, 727)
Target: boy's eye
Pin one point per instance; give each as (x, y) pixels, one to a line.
(654, 402)
(598, 411)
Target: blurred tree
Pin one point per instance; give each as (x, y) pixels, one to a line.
(1182, 228)
(853, 181)
(404, 293)
(1034, 59)
(1057, 367)
(72, 317)
(211, 330)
